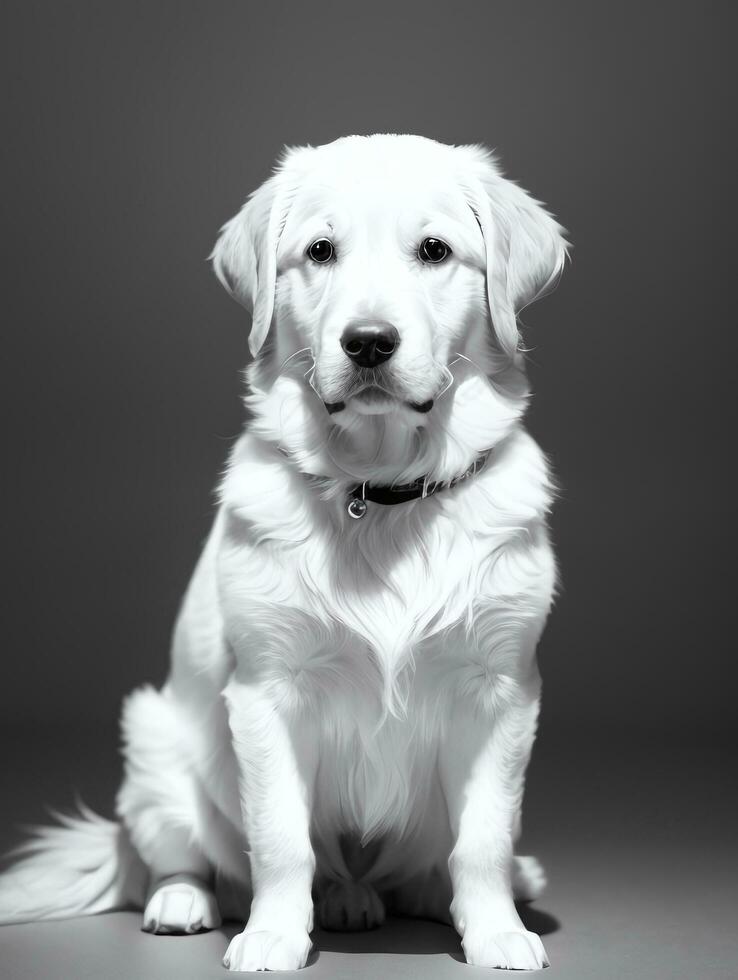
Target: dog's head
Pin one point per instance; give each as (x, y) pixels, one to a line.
(385, 259)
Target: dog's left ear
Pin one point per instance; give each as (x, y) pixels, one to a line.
(525, 245)
(245, 254)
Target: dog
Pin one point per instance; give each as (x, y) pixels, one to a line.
(353, 692)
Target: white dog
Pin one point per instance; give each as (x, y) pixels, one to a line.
(353, 689)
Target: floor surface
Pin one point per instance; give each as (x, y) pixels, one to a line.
(639, 844)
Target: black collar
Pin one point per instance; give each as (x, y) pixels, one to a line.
(359, 495)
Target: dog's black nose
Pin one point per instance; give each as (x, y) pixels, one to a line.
(369, 345)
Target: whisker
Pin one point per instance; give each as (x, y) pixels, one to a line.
(447, 372)
(311, 372)
(296, 353)
(463, 357)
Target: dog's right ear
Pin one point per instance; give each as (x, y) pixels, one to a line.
(245, 260)
(245, 255)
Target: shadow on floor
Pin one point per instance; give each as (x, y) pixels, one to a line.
(409, 936)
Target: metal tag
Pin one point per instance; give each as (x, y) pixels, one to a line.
(356, 508)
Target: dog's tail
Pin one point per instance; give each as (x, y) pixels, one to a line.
(84, 865)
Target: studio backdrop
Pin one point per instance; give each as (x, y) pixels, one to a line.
(131, 132)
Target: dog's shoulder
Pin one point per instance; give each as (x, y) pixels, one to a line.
(518, 477)
(261, 488)
(513, 492)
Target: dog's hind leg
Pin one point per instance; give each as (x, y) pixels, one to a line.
(351, 903)
(180, 903)
(427, 895)
(528, 878)
(166, 814)
(349, 906)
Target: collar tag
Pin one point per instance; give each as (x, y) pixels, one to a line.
(356, 508)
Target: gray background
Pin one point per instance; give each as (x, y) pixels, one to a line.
(132, 131)
(136, 130)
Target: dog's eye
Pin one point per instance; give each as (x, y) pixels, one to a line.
(321, 251)
(433, 250)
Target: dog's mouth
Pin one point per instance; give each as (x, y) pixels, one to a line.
(374, 400)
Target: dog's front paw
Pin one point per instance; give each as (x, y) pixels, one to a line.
(518, 950)
(350, 906)
(181, 905)
(251, 951)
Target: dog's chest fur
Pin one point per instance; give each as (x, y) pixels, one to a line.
(369, 626)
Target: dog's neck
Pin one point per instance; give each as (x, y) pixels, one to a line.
(473, 415)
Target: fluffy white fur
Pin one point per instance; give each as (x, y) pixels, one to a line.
(351, 704)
